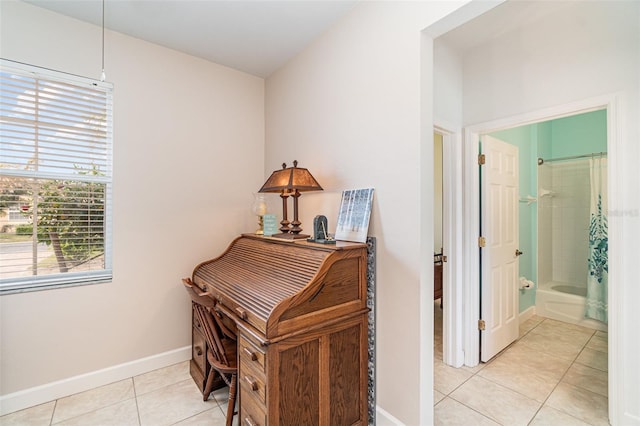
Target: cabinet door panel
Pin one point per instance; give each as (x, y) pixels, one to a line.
(299, 384)
(345, 376)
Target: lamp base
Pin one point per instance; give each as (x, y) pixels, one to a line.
(290, 236)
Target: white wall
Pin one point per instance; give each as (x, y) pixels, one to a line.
(354, 109)
(587, 50)
(447, 86)
(188, 153)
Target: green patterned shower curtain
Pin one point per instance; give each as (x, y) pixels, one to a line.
(598, 276)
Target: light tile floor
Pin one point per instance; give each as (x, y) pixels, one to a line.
(167, 396)
(554, 374)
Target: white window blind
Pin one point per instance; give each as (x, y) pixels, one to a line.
(56, 170)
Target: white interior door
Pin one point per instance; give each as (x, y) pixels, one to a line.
(499, 258)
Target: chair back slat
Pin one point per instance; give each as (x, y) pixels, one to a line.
(221, 337)
(215, 331)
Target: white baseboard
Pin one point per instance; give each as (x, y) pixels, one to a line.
(384, 418)
(526, 314)
(630, 419)
(51, 391)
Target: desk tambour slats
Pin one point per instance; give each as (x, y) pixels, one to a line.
(301, 313)
(257, 274)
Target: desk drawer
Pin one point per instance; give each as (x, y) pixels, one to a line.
(198, 345)
(252, 413)
(251, 354)
(252, 381)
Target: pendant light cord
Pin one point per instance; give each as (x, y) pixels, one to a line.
(103, 76)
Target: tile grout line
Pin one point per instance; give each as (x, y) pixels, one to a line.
(93, 411)
(560, 381)
(135, 395)
(542, 404)
(50, 415)
(571, 363)
(470, 408)
(55, 404)
(473, 374)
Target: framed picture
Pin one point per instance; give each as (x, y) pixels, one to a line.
(353, 218)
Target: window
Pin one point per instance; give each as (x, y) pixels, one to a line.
(55, 171)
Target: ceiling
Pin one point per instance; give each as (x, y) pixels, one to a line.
(502, 20)
(254, 36)
(260, 36)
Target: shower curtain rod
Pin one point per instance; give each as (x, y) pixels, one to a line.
(593, 154)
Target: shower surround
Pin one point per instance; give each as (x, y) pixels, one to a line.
(563, 241)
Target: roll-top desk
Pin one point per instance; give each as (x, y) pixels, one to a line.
(301, 313)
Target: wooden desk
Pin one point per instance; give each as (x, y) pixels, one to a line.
(301, 314)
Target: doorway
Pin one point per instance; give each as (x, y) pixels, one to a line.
(471, 294)
(528, 367)
(502, 93)
(438, 233)
(559, 254)
(447, 247)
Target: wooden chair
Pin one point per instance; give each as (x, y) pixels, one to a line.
(221, 345)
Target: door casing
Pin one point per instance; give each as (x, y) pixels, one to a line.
(452, 243)
(470, 274)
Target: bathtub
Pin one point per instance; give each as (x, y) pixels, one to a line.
(564, 302)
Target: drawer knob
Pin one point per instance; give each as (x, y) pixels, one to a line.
(241, 313)
(252, 383)
(248, 421)
(198, 350)
(250, 354)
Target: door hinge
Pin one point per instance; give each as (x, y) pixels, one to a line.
(482, 241)
(481, 325)
(444, 258)
(481, 159)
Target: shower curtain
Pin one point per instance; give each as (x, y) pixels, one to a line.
(597, 278)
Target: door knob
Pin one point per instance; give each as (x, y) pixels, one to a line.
(518, 253)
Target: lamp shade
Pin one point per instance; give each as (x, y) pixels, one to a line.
(290, 179)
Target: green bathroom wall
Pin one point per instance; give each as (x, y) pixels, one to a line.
(580, 134)
(544, 140)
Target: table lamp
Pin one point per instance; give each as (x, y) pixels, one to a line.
(290, 181)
